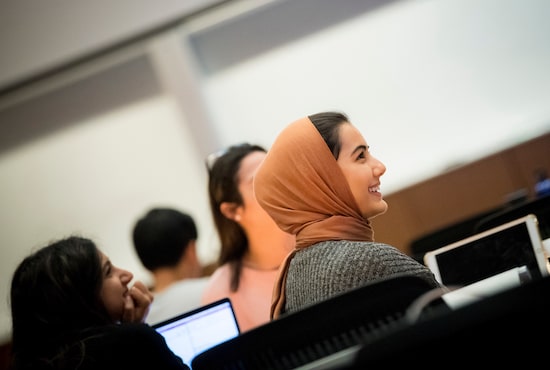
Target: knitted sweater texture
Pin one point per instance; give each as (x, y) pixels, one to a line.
(332, 267)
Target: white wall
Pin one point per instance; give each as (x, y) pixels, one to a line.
(95, 178)
(431, 83)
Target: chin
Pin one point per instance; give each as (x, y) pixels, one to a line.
(379, 211)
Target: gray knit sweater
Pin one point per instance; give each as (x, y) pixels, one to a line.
(331, 267)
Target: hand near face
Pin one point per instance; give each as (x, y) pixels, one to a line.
(137, 303)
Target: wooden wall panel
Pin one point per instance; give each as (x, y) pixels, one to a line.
(398, 223)
(461, 193)
(531, 156)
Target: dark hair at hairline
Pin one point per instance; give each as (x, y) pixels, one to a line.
(328, 124)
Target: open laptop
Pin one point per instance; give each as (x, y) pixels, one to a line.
(195, 331)
(496, 259)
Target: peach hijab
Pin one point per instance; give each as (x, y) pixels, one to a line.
(301, 186)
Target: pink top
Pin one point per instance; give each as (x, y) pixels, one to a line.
(252, 301)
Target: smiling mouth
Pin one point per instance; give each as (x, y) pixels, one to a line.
(374, 189)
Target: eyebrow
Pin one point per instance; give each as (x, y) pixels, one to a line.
(359, 148)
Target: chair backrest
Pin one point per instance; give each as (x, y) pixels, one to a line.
(498, 330)
(319, 330)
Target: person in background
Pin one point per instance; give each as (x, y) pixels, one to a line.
(165, 240)
(73, 309)
(320, 182)
(252, 246)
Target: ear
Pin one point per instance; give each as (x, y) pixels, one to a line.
(191, 249)
(231, 211)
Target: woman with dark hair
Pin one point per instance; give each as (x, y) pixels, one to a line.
(252, 246)
(320, 182)
(73, 309)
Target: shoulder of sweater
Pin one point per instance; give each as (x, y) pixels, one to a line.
(348, 249)
(350, 243)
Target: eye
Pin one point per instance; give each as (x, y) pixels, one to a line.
(363, 152)
(107, 269)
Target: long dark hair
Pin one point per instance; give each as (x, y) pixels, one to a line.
(223, 186)
(55, 299)
(328, 123)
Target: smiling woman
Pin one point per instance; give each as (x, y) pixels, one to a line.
(320, 182)
(72, 308)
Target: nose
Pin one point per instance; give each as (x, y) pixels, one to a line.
(126, 276)
(379, 168)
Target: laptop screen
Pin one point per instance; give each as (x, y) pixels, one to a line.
(514, 244)
(195, 331)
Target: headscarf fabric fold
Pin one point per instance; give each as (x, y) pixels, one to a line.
(301, 186)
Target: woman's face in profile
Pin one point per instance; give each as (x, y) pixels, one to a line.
(114, 287)
(362, 171)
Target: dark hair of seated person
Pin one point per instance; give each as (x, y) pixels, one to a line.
(73, 309)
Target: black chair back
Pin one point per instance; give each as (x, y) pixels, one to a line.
(341, 322)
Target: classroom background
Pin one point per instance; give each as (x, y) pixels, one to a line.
(108, 108)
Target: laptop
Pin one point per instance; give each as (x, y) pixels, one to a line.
(512, 246)
(195, 331)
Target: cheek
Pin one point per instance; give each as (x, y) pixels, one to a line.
(112, 300)
(249, 198)
(368, 203)
(359, 185)
(253, 210)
